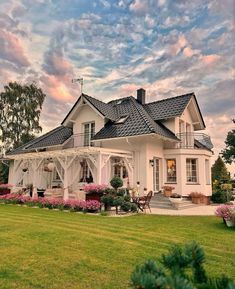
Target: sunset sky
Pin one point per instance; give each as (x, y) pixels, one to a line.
(167, 47)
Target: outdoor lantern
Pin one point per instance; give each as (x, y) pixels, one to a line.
(50, 166)
(151, 162)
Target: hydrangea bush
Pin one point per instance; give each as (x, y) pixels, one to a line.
(51, 203)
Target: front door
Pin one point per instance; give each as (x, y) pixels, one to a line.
(156, 175)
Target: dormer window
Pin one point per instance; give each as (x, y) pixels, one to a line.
(122, 119)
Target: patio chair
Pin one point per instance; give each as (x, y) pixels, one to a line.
(143, 202)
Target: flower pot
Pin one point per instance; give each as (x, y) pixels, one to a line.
(167, 193)
(175, 202)
(230, 223)
(196, 200)
(205, 200)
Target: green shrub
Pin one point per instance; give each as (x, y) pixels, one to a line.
(107, 200)
(116, 182)
(133, 207)
(126, 206)
(121, 192)
(181, 268)
(118, 201)
(127, 198)
(219, 197)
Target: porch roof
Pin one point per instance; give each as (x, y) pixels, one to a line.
(70, 152)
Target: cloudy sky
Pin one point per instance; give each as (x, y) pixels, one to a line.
(168, 47)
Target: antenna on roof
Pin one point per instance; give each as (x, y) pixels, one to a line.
(80, 80)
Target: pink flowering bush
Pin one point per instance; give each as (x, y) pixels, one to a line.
(93, 188)
(51, 203)
(227, 212)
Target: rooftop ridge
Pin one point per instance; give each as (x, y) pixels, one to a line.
(147, 118)
(168, 98)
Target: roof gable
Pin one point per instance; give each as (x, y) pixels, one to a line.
(104, 109)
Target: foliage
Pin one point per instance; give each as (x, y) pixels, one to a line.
(219, 171)
(219, 197)
(126, 206)
(134, 207)
(175, 196)
(229, 152)
(107, 200)
(195, 195)
(226, 212)
(4, 170)
(116, 182)
(93, 188)
(168, 188)
(181, 268)
(51, 203)
(20, 109)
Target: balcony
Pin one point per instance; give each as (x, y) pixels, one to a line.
(80, 140)
(194, 140)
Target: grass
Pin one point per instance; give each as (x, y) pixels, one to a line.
(56, 250)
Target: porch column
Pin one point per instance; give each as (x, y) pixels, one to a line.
(98, 168)
(66, 184)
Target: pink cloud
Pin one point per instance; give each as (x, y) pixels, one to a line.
(56, 88)
(210, 59)
(188, 52)
(139, 6)
(11, 49)
(175, 48)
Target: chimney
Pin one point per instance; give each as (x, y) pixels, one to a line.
(141, 95)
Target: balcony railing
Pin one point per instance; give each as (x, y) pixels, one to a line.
(80, 140)
(194, 140)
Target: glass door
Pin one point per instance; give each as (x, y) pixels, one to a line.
(156, 175)
(89, 132)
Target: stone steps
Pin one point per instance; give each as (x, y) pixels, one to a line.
(162, 202)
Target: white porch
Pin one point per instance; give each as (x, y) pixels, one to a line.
(70, 168)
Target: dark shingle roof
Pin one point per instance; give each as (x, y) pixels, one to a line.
(169, 107)
(54, 137)
(139, 122)
(104, 108)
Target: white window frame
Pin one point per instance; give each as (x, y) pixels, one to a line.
(88, 134)
(207, 172)
(190, 177)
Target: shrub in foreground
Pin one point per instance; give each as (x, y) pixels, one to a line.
(181, 268)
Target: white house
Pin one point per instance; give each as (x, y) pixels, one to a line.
(156, 144)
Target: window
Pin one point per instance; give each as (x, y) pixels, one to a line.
(191, 170)
(122, 119)
(86, 176)
(89, 132)
(207, 171)
(171, 170)
(56, 176)
(119, 169)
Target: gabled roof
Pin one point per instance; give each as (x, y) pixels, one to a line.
(54, 137)
(103, 108)
(169, 107)
(139, 122)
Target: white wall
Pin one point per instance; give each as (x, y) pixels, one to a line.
(87, 114)
(182, 187)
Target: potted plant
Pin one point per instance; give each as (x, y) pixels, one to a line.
(196, 197)
(175, 199)
(227, 213)
(94, 192)
(168, 190)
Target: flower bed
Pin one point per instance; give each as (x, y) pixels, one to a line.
(50, 203)
(94, 192)
(227, 213)
(5, 189)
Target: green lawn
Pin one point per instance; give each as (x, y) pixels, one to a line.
(56, 250)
